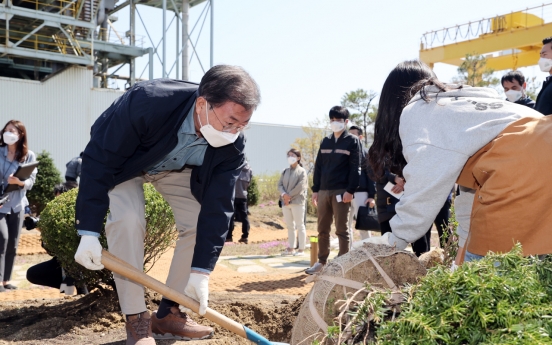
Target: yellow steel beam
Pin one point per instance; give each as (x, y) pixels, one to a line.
(514, 61)
(513, 39)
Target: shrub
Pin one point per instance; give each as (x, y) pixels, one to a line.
(60, 239)
(253, 192)
(48, 176)
(500, 299)
(268, 186)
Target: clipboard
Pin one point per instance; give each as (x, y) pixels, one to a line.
(23, 172)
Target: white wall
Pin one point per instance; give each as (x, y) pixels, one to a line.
(267, 145)
(58, 112)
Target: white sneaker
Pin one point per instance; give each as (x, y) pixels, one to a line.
(316, 268)
(288, 253)
(299, 253)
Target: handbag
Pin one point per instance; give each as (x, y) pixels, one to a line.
(367, 219)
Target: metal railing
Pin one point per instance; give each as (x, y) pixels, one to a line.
(64, 7)
(484, 26)
(54, 42)
(111, 35)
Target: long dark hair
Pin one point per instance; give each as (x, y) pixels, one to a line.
(22, 149)
(386, 150)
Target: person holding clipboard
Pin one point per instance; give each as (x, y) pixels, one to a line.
(16, 181)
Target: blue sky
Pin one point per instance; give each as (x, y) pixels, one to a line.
(305, 54)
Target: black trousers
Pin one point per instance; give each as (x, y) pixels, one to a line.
(419, 247)
(47, 273)
(10, 225)
(442, 222)
(240, 214)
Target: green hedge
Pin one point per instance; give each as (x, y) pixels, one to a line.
(60, 239)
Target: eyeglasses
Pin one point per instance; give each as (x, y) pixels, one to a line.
(228, 128)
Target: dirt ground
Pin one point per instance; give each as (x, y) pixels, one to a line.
(265, 302)
(95, 319)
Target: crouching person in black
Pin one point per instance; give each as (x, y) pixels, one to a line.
(50, 273)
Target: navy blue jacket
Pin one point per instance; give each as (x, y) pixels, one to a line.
(365, 183)
(135, 132)
(337, 164)
(544, 99)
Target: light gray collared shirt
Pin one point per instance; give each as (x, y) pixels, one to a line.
(17, 199)
(190, 149)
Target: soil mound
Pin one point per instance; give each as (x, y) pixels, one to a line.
(96, 318)
(345, 276)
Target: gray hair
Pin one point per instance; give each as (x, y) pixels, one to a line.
(225, 83)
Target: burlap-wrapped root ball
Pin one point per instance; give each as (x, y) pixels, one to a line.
(344, 276)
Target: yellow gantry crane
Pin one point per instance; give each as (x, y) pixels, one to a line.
(508, 41)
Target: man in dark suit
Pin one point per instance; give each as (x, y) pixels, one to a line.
(185, 139)
(544, 99)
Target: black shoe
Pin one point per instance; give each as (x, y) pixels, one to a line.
(10, 287)
(82, 290)
(228, 240)
(243, 240)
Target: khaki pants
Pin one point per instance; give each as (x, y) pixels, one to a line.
(328, 208)
(126, 228)
(294, 215)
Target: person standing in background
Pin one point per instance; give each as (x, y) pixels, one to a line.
(293, 192)
(240, 204)
(73, 172)
(544, 99)
(13, 152)
(335, 180)
(515, 86)
(366, 192)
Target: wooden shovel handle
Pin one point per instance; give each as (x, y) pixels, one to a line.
(114, 264)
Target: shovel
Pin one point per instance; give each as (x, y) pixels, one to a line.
(114, 264)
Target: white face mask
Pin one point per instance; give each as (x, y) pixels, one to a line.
(513, 95)
(292, 160)
(10, 138)
(215, 138)
(545, 64)
(337, 126)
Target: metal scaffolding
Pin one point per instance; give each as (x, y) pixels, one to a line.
(41, 37)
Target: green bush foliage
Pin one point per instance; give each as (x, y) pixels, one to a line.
(60, 239)
(268, 186)
(501, 299)
(253, 192)
(48, 176)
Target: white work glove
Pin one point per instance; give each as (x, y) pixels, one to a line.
(198, 289)
(453, 267)
(383, 239)
(89, 253)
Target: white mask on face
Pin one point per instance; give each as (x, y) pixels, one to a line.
(545, 64)
(513, 95)
(337, 126)
(292, 160)
(10, 138)
(215, 138)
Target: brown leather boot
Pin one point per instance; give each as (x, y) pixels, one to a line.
(138, 329)
(179, 326)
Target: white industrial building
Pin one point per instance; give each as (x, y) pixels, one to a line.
(59, 112)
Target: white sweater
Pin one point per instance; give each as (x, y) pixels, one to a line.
(438, 138)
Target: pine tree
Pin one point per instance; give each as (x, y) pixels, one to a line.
(253, 192)
(48, 176)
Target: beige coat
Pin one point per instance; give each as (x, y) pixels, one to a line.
(293, 182)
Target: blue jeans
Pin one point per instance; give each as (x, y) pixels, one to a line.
(472, 257)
